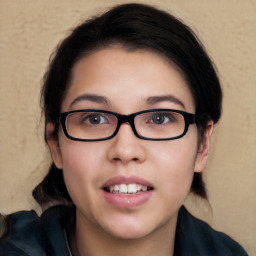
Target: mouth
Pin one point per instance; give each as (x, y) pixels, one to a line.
(127, 189)
(127, 192)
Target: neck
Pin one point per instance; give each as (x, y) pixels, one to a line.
(89, 239)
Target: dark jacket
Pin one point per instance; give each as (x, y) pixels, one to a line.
(45, 235)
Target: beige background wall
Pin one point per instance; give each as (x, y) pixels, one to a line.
(29, 30)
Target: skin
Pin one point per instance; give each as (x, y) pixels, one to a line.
(127, 79)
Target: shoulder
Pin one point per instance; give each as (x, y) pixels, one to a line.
(33, 235)
(195, 237)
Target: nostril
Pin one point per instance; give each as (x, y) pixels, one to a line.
(118, 159)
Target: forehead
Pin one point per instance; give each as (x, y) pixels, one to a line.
(127, 78)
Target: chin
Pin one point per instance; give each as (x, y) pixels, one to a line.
(128, 230)
(125, 234)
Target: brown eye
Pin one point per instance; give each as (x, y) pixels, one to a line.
(94, 118)
(162, 118)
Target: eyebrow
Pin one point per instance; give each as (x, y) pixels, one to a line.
(103, 100)
(92, 98)
(171, 98)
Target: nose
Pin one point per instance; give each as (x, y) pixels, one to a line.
(126, 147)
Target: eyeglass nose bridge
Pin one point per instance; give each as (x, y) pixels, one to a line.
(126, 119)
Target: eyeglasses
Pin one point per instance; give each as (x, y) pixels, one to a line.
(152, 124)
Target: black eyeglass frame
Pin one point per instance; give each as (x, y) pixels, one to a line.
(188, 118)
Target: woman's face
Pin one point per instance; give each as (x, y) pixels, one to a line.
(124, 82)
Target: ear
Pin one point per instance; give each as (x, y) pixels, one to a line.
(204, 148)
(53, 145)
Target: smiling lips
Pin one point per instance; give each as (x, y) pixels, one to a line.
(127, 192)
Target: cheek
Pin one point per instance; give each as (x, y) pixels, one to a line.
(81, 168)
(177, 154)
(81, 157)
(176, 161)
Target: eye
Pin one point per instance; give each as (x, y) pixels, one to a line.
(162, 118)
(94, 118)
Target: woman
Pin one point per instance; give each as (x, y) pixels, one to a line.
(130, 100)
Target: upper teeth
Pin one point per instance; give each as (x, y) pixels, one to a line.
(127, 188)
